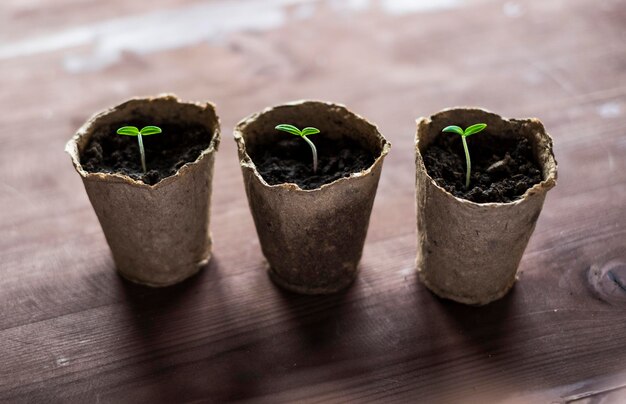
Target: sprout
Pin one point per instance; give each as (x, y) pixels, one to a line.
(470, 130)
(145, 131)
(303, 134)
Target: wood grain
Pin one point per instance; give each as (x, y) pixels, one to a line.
(71, 330)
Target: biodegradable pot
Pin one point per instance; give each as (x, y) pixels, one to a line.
(158, 234)
(466, 251)
(312, 239)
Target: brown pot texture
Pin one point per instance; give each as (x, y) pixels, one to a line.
(312, 239)
(466, 251)
(158, 234)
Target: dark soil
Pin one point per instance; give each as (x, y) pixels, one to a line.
(166, 153)
(503, 168)
(291, 160)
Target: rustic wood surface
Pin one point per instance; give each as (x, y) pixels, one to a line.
(71, 330)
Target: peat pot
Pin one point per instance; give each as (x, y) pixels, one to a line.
(158, 233)
(468, 251)
(312, 238)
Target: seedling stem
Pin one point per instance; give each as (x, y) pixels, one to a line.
(143, 153)
(468, 162)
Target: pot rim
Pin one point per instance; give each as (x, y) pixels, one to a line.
(245, 161)
(541, 187)
(71, 147)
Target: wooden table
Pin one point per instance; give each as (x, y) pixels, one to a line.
(71, 330)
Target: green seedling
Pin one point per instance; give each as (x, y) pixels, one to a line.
(470, 130)
(145, 131)
(303, 134)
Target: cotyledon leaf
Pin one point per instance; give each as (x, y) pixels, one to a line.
(453, 129)
(470, 130)
(309, 131)
(150, 130)
(128, 131)
(289, 128)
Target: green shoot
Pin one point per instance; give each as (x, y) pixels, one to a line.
(145, 131)
(303, 134)
(470, 130)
